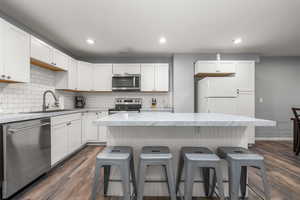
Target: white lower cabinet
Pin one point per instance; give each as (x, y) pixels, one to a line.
(91, 132)
(74, 133)
(59, 142)
(65, 136)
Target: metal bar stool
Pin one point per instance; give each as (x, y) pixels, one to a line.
(192, 158)
(156, 155)
(238, 160)
(121, 157)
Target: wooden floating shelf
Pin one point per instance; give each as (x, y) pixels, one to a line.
(45, 65)
(203, 75)
(8, 81)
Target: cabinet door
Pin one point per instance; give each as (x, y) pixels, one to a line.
(221, 87)
(222, 105)
(102, 77)
(72, 74)
(226, 67)
(74, 132)
(16, 54)
(60, 59)
(126, 68)
(83, 127)
(245, 75)
(85, 74)
(147, 77)
(102, 132)
(41, 51)
(246, 107)
(2, 76)
(59, 142)
(91, 129)
(206, 67)
(162, 77)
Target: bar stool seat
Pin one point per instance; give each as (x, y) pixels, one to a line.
(156, 155)
(121, 157)
(239, 159)
(192, 158)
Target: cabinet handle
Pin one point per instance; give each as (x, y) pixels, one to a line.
(3, 76)
(8, 77)
(238, 91)
(217, 70)
(68, 124)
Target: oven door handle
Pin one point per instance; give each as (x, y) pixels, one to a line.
(12, 131)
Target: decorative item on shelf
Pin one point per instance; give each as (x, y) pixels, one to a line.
(153, 103)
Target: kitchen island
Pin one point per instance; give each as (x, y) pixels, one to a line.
(175, 130)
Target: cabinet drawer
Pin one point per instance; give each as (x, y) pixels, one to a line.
(65, 118)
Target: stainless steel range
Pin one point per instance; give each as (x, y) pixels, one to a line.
(126, 105)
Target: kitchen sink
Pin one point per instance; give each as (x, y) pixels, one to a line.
(50, 111)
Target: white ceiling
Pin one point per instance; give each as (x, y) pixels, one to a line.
(268, 27)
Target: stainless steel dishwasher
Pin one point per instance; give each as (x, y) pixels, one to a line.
(26, 153)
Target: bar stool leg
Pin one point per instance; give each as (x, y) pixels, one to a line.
(235, 176)
(96, 181)
(219, 176)
(189, 180)
(206, 179)
(106, 178)
(179, 172)
(243, 181)
(125, 173)
(171, 181)
(141, 180)
(133, 176)
(265, 181)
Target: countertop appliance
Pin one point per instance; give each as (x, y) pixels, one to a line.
(26, 153)
(126, 82)
(79, 101)
(126, 105)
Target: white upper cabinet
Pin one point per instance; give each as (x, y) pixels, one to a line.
(155, 77)
(60, 59)
(245, 75)
(206, 67)
(67, 80)
(127, 68)
(215, 67)
(147, 77)
(16, 53)
(2, 75)
(85, 74)
(102, 77)
(162, 77)
(41, 51)
(226, 67)
(45, 53)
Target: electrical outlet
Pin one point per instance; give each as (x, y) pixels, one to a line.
(260, 100)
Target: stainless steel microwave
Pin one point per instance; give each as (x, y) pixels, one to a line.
(126, 82)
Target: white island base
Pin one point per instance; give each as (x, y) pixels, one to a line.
(174, 138)
(175, 131)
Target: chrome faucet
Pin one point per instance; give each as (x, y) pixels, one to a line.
(45, 107)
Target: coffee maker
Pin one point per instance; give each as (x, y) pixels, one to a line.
(79, 101)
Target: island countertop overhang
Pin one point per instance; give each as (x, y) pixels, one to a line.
(180, 119)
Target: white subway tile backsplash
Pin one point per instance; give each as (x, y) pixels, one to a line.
(25, 97)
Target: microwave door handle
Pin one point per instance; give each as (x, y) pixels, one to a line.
(134, 81)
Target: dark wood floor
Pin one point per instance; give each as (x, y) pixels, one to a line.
(73, 179)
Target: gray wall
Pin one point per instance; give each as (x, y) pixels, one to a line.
(277, 83)
(183, 72)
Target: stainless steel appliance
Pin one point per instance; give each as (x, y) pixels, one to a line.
(126, 82)
(79, 101)
(126, 105)
(26, 153)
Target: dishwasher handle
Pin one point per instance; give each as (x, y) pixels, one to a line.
(12, 131)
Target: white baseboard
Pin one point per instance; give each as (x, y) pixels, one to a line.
(274, 138)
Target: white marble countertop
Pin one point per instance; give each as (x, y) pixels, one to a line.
(180, 119)
(15, 117)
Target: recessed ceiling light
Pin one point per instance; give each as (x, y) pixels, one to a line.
(90, 41)
(237, 41)
(162, 40)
